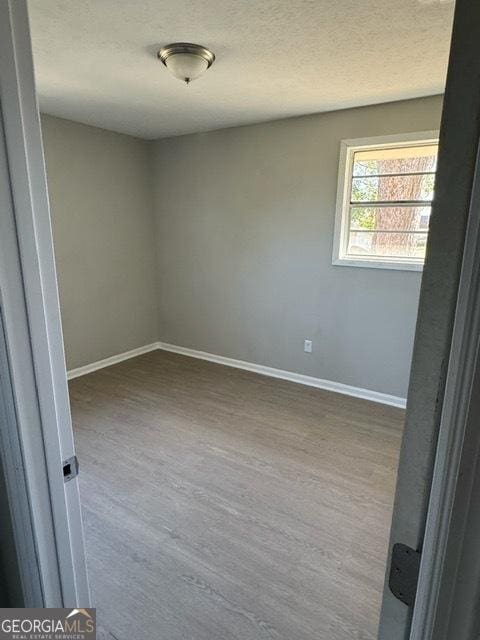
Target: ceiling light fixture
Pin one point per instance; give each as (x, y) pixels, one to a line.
(186, 61)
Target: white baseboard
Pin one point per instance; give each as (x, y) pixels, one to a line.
(107, 362)
(319, 383)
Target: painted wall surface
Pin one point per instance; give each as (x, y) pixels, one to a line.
(101, 205)
(245, 221)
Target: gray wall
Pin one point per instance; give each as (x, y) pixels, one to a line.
(101, 203)
(245, 225)
(241, 266)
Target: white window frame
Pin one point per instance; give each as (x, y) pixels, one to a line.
(345, 169)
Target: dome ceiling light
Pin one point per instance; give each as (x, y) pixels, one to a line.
(186, 61)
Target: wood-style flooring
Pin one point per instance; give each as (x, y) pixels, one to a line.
(224, 505)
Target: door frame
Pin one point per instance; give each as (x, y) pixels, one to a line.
(39, 428)
(456, 469)
(436, 442)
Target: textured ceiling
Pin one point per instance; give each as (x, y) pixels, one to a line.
(96, 63)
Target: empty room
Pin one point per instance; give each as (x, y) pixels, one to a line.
(240, 196)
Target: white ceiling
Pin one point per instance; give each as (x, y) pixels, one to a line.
(96, 60)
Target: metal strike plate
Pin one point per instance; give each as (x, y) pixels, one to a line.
(70, 468)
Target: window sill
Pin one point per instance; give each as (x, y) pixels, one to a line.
(395, 265)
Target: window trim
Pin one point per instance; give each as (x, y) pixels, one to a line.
(345, 168)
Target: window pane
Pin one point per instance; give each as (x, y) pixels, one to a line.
(414, 159)
(405, 187)
(388, 203)
(385, 245)
(389, 218)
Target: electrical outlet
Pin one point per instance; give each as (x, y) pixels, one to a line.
(308, 346)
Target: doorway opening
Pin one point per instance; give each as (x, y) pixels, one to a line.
(236, 394)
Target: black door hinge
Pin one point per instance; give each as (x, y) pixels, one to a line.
(404, 569)
(70, 468)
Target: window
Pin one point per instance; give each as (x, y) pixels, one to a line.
(384, 200)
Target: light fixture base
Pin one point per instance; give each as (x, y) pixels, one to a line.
(186, 48)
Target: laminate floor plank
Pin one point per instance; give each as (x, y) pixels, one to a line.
(224, 505)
